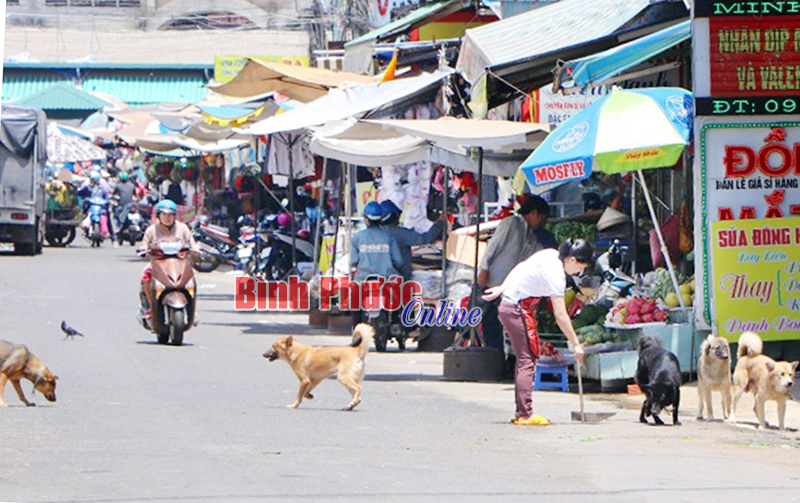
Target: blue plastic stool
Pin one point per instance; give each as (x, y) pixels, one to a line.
(555, 369)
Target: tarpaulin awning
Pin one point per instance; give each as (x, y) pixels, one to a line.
(450, 132)
(519, 53)
(415, 19)
(236, 115)
(595, 69)
(208, 147)
(63, 148)
(364, 144)
(297, 82)
(21, 126)
(349, 101)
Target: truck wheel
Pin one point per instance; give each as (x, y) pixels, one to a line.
(40, 232)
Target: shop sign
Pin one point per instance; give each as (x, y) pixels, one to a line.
(757, 277)
(713, 8)
(365, 192)
(748, 171)
(228, 67)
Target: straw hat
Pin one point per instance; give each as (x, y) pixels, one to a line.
(610, 218)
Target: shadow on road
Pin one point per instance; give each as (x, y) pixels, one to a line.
(216, 297)
(155, 343)
(273, 329)
(401, 377)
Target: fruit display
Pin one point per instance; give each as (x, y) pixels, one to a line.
(661, 288)
(595, 334)
(636, 311)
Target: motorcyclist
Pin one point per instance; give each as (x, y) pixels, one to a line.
(124, 189)
(165, 228)
(95, 186)
(375, 252)
(406, 238)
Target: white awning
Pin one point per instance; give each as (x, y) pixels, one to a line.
(345, 102)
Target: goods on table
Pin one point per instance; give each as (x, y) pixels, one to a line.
(565, 229)
(636, 311)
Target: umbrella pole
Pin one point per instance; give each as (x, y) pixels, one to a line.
(473, 335)
(664, 251)
(290, 143)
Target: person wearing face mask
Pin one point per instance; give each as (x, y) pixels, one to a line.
(544, 274)
(165, 228)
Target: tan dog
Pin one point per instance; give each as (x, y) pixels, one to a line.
(17, 362)
(763, 376)
(313, 364)
(714, 374)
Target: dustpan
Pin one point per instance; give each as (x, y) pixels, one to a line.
(582, 416)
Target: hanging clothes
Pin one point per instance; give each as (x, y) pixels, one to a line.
(302, 158)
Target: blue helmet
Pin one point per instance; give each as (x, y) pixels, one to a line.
(94, 175)
(166, 206)
(389, 208)
(373, 211)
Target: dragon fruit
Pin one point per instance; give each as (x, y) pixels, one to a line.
(660, 315)
(648, 318)
(648, 307)
(633, 319)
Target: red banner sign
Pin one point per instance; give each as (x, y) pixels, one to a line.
(755, 57)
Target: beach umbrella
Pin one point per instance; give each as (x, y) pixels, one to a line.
(625, 131)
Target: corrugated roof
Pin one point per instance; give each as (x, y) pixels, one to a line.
(136, 90)
(22, 86)
(62, 97)
(408, 22)
(546, 29)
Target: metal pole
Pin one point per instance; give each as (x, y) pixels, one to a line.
(664, 250)
(444, 232)
(338, 215)
(290, 144)
(635, 229)
(473, 335)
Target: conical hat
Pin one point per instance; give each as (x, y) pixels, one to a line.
(610, 218)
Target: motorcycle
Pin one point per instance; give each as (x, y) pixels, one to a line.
(97, 226)
(131, 228)
(274, 261)
(216, 245)
(387, 325)
(613, 265)
(173, 290)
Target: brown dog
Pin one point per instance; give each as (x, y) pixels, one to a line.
(17, 362)
(714, 374)
(313, 364)
(767, 379)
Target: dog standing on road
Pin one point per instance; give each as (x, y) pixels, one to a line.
(714, 374)
(16, 362)
(659, 375)
(767, 379)
(313, 364)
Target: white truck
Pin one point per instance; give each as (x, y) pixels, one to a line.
(23, 152)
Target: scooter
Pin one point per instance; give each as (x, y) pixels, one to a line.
(616, 282)
(274, 261)
(98, 221)
(387, 325)
(216, 245)
(173, 290)
(131, 228)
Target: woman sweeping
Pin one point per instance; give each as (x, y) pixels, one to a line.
(544, 274)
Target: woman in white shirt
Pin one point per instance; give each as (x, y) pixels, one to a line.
(544, 274)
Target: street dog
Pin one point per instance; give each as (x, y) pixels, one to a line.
(714, 374)
(759, 374)
(313, 364)
(16, 362)
(659, 375)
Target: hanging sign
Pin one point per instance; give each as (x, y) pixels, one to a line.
(757, 278)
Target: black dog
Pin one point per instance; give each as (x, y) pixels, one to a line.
(659, 376)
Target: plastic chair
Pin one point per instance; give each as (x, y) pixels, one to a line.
(557, 369)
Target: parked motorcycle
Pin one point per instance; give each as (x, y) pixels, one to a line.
(173, 290)
(97, 227)
(131, 227)
(217, 247)
(274, 261)
(614, 265)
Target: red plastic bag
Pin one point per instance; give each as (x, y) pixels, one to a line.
(671, 230)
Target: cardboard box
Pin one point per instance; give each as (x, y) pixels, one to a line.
(461, 249)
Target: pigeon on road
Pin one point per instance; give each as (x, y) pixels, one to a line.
(71, 332)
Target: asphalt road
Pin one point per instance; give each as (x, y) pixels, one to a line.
(206, 422)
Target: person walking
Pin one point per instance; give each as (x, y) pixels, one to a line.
(544, 274)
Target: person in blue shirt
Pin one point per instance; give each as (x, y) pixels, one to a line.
(406, 238)
(374, 251)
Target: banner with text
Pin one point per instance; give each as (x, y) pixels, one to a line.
(757, 278)
(228, 67)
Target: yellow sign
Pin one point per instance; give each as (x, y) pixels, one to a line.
(366, 192)
(757, 277)
(228, 67)
(326, 254)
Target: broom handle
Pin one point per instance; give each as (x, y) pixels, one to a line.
(580, 388)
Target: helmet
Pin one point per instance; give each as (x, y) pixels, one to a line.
(166, 206)
(284, 219)
(389, 208)
(123, 176)
(303, 234)
(578, 248)
(95, 175)
(373, 211)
